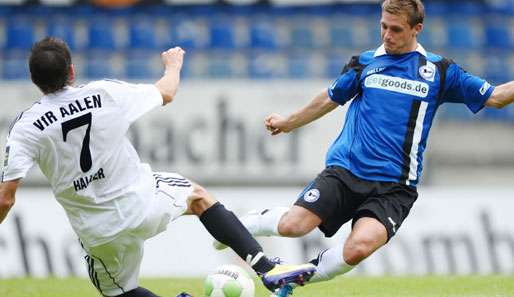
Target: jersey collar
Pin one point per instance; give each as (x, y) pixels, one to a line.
(58, 93)
(381, 51)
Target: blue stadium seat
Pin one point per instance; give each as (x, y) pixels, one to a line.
(63, 28)
(222, 34)
(20, 33)
(301, 35)
(263, 34)
(459, 34)
(341, 32)
(498, 35)
(142, 33)
(101, 33)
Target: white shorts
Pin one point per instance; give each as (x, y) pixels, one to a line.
(114, 267)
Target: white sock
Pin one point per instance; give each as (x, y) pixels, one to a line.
(331, 264)
(264, 223)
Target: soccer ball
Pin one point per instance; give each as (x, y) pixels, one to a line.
(229, 281)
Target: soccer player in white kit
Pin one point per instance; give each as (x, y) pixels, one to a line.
(77, 136)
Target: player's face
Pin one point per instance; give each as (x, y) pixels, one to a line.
(397, 35)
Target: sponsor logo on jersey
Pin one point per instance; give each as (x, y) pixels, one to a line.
(427, 71)
(485, 87)
(397, 84)
(311, 196)
(375, 70)
(6, 156)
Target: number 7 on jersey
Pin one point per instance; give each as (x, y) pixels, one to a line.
(85, 154)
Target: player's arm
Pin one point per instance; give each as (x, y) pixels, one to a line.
(502, 96)
(168, 83)
(320, 105)
(7, 197)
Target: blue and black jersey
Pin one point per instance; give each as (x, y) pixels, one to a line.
(395, 98)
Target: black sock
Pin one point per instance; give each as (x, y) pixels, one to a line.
(223, 225)
(138, 292)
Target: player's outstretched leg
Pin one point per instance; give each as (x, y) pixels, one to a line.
(259, 223)
(279, 221)
(225, 227)
(367, 235)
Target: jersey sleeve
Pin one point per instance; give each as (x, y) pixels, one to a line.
(134, 99)
(346, 86)
(462, 87)
(20, 156)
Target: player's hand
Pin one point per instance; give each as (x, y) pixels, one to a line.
(173, 58)
(276, 124)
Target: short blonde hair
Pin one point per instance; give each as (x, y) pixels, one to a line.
(413, 9)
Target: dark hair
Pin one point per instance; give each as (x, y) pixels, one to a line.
(413, 9)
(49, 64)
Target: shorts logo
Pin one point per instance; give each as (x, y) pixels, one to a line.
(397, 84)
(484, 88)
(392, 223)
(311, 196)
(427, 71)
(6, 157)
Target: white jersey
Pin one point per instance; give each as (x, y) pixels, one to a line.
(78, 138)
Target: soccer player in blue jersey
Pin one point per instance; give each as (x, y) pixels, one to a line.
(375, 163)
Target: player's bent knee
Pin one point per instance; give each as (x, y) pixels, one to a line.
(292, 228)
(297, 222)
(199, 200)
(356, 251)
(199, 206)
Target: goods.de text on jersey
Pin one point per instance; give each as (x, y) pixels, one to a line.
(72, 108)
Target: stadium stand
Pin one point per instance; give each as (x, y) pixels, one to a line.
(249, 41)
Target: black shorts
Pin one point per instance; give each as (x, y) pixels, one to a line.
(337, 196)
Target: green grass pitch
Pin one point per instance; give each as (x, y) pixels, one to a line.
(432, 286)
